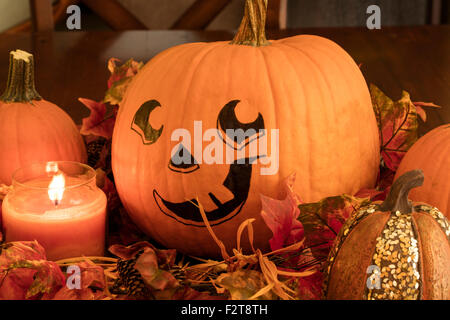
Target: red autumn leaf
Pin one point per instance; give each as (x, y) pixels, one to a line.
(47, 280)
(26, 274)
(323, 220)
(187, 293)
(165, 256)
(281, 217)
(397, 123)
(14, 284)
(92, 284)
(372, 194)
(309, 287)
(421, 112)
(128, 252)
(379, 193)
(120, 78)
(21, 250)
(97, 123)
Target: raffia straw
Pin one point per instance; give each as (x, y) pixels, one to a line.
(262, 291)
(268, 268)
(246, 224)
(270, 273)
(90, 259)
(223, 250)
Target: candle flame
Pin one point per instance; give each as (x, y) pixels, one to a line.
(57, 185)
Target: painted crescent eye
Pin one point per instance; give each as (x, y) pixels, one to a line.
(142, 126)
(238, 134)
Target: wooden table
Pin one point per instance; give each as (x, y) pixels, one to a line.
(74, 64)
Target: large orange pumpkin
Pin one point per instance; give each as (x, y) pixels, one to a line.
(306, 87)
(395, 250)
(31, 128)
(431, 154)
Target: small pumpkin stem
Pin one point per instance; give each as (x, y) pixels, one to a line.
(397, 199)
(252, 31)
(20, 85)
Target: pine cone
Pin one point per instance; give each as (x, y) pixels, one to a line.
(94, 150)
(130, 281)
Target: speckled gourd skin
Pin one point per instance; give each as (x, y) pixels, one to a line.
(410, 250)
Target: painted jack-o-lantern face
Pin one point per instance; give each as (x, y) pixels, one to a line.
(306, 89)
(239, 173)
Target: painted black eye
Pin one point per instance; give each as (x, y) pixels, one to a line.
(141, 124)
(238, 134)
(182, 161)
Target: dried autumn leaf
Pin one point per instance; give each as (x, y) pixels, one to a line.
(47, 280)
(156, 278)
(308, 288)
(397, 123)
(187, 293)
(243, 284)
(323, 220)
(380, 192)
(421, 112)
(121, 76)
(92, 284)
(129, 252)
(21, 250)
(97, 123)
(281, 217)
(26, 274)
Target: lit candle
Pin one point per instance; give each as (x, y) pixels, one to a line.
(59, 205)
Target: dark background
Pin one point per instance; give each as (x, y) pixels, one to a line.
(300, 14)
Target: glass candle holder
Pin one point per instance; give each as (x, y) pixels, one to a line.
(59, 205)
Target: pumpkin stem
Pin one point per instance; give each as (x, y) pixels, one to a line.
(397, 199)
(252, 31)
(20, 85)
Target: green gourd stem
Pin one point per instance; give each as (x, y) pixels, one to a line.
(252, 31)
(20, 85)
(397, 199)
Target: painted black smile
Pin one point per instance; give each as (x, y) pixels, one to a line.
(237, 181)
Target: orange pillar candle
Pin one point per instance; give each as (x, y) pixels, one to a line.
(59, 205)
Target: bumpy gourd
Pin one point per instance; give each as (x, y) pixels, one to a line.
(395, 250)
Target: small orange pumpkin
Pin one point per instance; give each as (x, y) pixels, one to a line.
(306, 87)
(395, 250)
(431, 154)
(32, 129)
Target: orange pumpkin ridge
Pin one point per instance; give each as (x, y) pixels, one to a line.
(431, 154)
(31, 128)
(306, 87)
